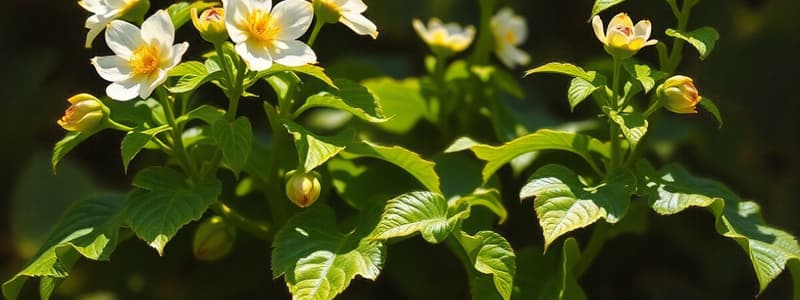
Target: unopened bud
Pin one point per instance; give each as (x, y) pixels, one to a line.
(211, 24)
(680, 95)
(213, 239)
(85, 113)
(303, 188)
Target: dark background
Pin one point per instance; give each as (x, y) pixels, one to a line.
(752, 76)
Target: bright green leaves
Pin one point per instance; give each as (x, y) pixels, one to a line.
(165, 202)
(192, 75)
(601, 5)
(351, 97)
(563, 69)
(564, 204)
(644, 75)
(319, 262)
(582, 145)
(235, 139)
(135, 140)
(579, 90)
(564, 285)
(314, 150)
(632, 124)
(310, 70)
(492, 255)
(703, 39)
(402, 102)
(419, 212)
(672, 190)
(409, 161)
(89, 229)
(583, 84)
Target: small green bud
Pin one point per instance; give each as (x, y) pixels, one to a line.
(303, 188)
(213, 239)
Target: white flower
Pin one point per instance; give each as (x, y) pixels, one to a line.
(509, 32)
(142, 57)
(104, 12)
(347, 12)
(445, 39)
(264, 34)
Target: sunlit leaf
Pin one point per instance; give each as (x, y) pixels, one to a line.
(632, 124)
(601, 5)
(423, 170)
(564, 69)
(402, 102)
(419, 212)
(135, 140)
(491, 254)
(314, 150)
(351, 97)
(703, 39)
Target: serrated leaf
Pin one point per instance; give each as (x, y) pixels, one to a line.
(165, 202)
(235, 139)
(601, 5)
(351, 97)
(89, 229)
(192, 75)
(544, 139)
(409, 161)
(712, 108)
(135, 140)
(491, 254)
(65, 145)
(564, 204)
(579, 90)
(703, 39)
(426, 213)
(319, 262)
(489, 198)
(314, 150)
(644, 75)
(632, 124)
(402, 103)
(673, 189)
(564, 69)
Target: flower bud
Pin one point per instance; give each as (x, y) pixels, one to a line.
(680, 95)
(211, 24)
(303, 188)
(213, 239)
(85, 113)
(327, 11)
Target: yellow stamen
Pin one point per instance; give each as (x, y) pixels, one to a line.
(262, 26)
(145, 60)
(511, 37)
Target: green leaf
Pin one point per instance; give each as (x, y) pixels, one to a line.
(89, 229)
(363, 183)
(135, 140)
(564, 69)
(564, 285)
(319, 262)
(311, 70)
(703, 39)
(564, 204)
(491, 254)
(409, 161)
(180, 12)
(402, 103)
(235, 139)
(205, 113)
(423, 212)
(579, 90)
(646, 77)
(314, 150)
(192, 75)
(542, 276)
(489, 198)
(165, 202)
(673, 189)
(65, 145)
(601, 5)
(351, 97)
(633, 125)
(545, 139)
(712, 108)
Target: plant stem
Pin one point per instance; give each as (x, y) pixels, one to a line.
(272, 186)
(258, 229)
(589, 253)
(317, 28)
(616, 149)
(677, 48)
(177, 132)
(483, 46)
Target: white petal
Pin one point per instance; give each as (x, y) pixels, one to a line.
(643, 29)
(112, 68)
(236, 12)
(158, 30)
(294, 17)
(518, 25)
(95, 24)
(503, 14)
(177, 54)
(123, 38)
(352, 6)
(421, 29)
(359, 24)
(124, 90)
(94, 6)
(512, 56)
(265, 5)
(292, 53)
(255, 55)
(597, 25)
(151, 83)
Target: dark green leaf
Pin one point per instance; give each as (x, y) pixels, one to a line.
(601, 5)
(703, 39)
(314, 150)
(351, 97)
(135, 140)
(712, 108)
(205, 113)
(489, 198)
(235, 139)
(65, 145)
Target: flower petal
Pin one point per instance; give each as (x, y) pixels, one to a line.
(123, 37)
(112, 68)
(177, 54)
(352, 6)
(643, 29)
(597, 25)
(265, 5)
(95, 24)
(636, 43)
(513, 56)
(420, 28)
(151, 82)
(158, 30)
(124, 90)
(616, 39)
(620, 20)
(94, 6)
(255, 55)
(359, 24)
(650, 43)
(236, 12)
(294, 17)
(292, 53)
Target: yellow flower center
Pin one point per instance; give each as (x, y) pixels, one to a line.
(262, 26)
(627, 31)
(145, 60)
(511, 37)
(439, 37)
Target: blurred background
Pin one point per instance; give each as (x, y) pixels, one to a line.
(751, 75)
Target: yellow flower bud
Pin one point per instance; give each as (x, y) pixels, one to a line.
(213, 239)
(680, 95)
(211, 24)
(85, 113)
(327, 11)
(622, 39)
(303, 188)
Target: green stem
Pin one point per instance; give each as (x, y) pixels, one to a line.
(485, 40)
(677, 48)
(117, 126)
(177, 131)
(317, 28)
(256, 228)
(589, 253)
(272, 183)
(616, 149)
(455, 246)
